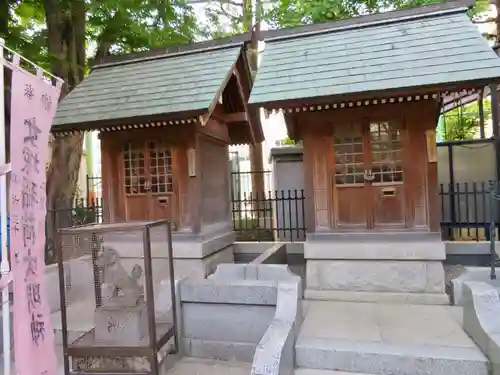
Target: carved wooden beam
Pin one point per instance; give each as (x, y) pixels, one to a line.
(219, 114)
(215, 101)
(239, 80)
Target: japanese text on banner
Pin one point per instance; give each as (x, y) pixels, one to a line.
(32, 111)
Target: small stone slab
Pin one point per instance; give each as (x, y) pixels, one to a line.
(121, 325)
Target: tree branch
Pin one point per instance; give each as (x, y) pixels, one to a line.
(108, 36)
(488, 20)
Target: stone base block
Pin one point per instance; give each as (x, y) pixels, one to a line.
(376, 276)
(377, 297)
(201, 245)
(195, 255)
(219, 350)
(202, 267)
(374, 246)
(121, 325)
(108, 364)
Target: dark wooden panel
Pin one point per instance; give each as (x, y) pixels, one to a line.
(351, 206)
(162, 207)
(137, 207)
(389, 205)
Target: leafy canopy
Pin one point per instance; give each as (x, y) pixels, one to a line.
(290, 13)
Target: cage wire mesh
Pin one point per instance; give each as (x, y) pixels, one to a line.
(119, 298)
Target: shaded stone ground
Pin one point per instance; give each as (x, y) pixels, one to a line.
(451, 272)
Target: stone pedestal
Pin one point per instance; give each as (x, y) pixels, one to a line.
(119, 325)
(195, 255)
(379, 267)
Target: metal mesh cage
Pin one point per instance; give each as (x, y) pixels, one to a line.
(117, 297)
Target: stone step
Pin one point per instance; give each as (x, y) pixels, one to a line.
(198, 366)
(387, 339)
(383, 359)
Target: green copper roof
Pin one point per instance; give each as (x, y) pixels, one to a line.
(162, 85)
(440, 48)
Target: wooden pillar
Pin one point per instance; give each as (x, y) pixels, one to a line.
(495, 117)
(481, 113)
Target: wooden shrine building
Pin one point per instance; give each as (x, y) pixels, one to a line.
(364, 96)
(165, 120)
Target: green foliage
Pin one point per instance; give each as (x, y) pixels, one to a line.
(463, 122)
(120, 26)
(138, 25)
(290, 13)
(289, 142)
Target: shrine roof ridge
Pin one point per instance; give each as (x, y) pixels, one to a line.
(173, 51)
(434, 48)
(369, 20)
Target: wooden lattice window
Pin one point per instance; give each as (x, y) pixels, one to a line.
(386, 152)
(160, 167)
(348, 147)
(136, 179)
(147, 167)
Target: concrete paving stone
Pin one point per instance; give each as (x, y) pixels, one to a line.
(340, 320)
(197, 366)
(388, 323)
(308, 371)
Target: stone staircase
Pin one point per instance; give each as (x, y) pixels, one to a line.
(331, 338)
(386, 340)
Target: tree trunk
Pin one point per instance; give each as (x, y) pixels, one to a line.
(256, 156)
(66, 30)
(66, 46)
(66, 37)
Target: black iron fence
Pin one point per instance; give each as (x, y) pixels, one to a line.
(269, 216)
(466, 211)
(83, 211)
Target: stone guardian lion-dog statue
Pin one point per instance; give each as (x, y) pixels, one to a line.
(121, 288)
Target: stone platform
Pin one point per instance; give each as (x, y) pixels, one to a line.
(386, 267)
(308, 371)
(198, 366)
(386, 339)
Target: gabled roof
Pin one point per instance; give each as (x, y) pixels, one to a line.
(172, 84)
(436, 47)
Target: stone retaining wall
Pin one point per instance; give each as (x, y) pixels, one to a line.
(243, 312)
(482, 320)
(481, 274)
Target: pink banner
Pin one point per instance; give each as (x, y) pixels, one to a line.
(34, 102)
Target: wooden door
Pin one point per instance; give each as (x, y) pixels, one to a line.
(136, 181)
(386, 183)
(369, 187)
(350, 165)
(160, 160)
(149, 187)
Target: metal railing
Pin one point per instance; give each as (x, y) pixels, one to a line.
(83, 211)
(465, 211)
(269, 216)
(494, 212)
